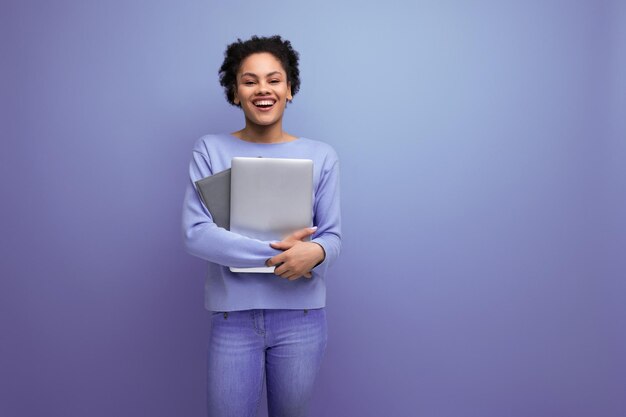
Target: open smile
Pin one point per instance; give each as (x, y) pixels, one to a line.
(265, 104)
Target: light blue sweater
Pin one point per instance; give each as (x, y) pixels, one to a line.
(228, 291)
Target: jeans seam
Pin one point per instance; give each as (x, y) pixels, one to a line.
(258, 398)
(257, 329)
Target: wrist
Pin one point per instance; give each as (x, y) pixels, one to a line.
(322, 254)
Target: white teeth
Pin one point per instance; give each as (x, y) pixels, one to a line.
(264, 103)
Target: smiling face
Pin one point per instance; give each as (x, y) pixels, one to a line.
(262, 89)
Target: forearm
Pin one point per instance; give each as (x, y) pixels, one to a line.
(204, 239)
(323, 254)
(331, 246)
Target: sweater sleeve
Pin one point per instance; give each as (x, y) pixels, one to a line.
(204, 239)
(328, 216)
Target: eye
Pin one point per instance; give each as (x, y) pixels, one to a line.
(275, 81)
(248, 82)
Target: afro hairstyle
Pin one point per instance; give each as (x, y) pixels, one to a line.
(236, 52)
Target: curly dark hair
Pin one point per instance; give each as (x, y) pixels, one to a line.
(236, 52)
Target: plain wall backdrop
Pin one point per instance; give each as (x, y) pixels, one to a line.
(482, 151)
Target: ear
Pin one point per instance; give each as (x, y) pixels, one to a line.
(289, 96)
(235, 98)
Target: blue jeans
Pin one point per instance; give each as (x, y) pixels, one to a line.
(284, 346)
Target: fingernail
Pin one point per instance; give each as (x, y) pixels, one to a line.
(314, 227)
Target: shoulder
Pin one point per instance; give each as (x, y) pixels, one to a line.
(322, 151)
(207, 143)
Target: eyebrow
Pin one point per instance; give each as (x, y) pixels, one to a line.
(251, 74)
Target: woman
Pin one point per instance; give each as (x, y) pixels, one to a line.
(270, 326)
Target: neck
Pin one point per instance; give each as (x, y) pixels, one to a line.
(263, 134)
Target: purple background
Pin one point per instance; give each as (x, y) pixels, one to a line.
(482, 148)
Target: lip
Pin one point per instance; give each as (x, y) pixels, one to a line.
(264, 109)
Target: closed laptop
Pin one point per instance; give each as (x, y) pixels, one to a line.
(270, 198)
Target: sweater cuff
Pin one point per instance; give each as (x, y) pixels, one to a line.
(321, 244)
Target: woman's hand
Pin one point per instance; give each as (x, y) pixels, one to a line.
(298, 257)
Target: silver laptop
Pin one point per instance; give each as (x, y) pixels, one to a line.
(270, 198)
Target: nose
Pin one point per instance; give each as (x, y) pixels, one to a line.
(263, 87)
